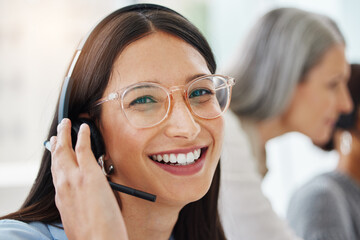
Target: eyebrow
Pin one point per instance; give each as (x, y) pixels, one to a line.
(188, 79)
(192, 77)
(341, 77)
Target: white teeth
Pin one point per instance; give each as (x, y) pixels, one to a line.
(197, 153)
(172, 158)
(190, 157)
(181, 158)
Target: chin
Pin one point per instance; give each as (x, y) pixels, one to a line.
(178, 200)
(187, 195)
(322, 139)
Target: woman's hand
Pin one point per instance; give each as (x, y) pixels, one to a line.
(86, 203)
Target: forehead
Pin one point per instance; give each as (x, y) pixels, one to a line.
(333, 64)
(158, 57)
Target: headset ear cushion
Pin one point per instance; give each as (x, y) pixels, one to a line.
(97, 142)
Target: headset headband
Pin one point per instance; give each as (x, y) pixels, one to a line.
(63, 110)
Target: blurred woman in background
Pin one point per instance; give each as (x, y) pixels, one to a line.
(327, 207)
(291, 75)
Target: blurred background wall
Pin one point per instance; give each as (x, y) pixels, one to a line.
(38, 39)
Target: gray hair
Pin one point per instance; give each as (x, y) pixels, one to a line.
(281, 48)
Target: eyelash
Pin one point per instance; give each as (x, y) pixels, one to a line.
(333, 84)
(201, 91)
(142, 100)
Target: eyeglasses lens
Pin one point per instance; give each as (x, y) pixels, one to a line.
(145, 105)
(208, 97)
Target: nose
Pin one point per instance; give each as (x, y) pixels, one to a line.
(345, 104)
(181, 123)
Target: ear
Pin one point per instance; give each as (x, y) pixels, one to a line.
(84, 115)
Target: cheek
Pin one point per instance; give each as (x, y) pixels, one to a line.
(220, 130)
(306, 112)
(319, 102)
(118, 136)
(317, 110)
(314, 116)
(323, 112)
(216, 130)
(118, 141)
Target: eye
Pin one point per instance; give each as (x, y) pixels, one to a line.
(333, 85)
(199, 93)
(142, 100)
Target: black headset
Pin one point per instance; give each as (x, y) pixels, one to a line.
(97, 143)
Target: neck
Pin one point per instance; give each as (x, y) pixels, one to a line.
(148, 220)
(270, 128)
(350, 166)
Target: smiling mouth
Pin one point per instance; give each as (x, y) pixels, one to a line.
(176, 159)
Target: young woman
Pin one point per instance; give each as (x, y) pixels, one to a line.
(291, 76)
(145, 79)
(327, 207)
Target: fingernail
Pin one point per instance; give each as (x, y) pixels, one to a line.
(83, 125)
(64, 121)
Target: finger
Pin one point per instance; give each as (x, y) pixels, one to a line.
(84, 154)
(53, 140)
(64, 133)
(63, 162)
(62, 154)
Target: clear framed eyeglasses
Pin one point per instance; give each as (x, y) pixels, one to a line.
(147, 104)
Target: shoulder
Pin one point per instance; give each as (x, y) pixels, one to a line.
(18, 230)
(319, 194)
(318, 206)
(321, 188)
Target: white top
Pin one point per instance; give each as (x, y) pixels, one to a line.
(244, 210)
